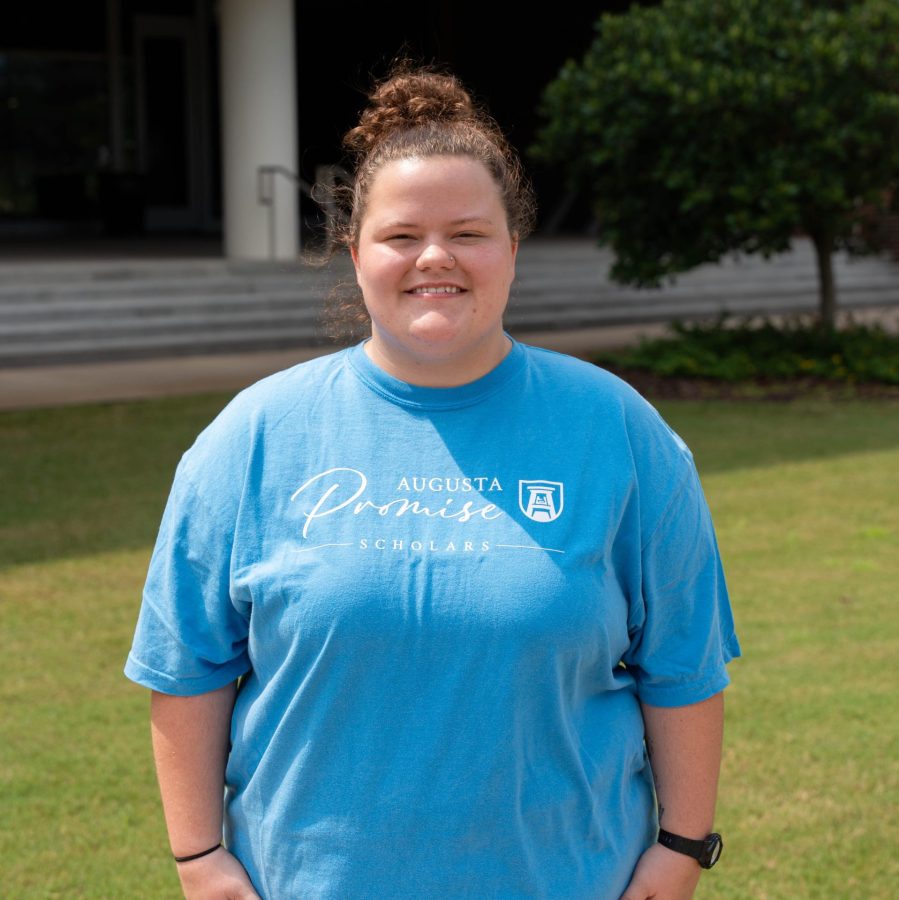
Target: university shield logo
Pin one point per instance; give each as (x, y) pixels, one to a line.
(541, 501)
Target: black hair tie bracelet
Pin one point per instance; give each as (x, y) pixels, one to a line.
(180, 859)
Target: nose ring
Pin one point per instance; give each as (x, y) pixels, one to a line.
(452, 258)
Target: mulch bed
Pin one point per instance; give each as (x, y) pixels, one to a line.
(776, 390)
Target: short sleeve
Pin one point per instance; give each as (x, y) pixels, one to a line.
(681, 626)
(191, 637)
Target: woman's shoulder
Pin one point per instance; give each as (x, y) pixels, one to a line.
(593, 392)
(257, 410)
(290, 386)
(584, 379)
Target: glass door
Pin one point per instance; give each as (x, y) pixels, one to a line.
(168, 107)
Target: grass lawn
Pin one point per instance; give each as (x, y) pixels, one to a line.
(806, 501)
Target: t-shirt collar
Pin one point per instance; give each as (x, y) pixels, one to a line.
(420, 397)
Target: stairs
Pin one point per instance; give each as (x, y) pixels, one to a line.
(85, 311)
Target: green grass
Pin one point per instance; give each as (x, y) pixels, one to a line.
(806, 502)
(82, 492)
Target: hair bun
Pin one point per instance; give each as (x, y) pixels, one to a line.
(409, 98)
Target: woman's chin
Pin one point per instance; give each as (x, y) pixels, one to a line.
(437, 329)
(434, 334)
(438, 338)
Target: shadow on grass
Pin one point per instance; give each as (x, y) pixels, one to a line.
(89, 479)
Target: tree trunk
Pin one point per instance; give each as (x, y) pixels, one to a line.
(827, 291)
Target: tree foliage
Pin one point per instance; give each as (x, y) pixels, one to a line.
(700, 127)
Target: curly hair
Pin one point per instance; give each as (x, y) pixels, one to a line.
(417, 112)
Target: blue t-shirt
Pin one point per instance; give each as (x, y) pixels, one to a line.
(448, 604)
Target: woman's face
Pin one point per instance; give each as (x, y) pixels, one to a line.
(435, 261)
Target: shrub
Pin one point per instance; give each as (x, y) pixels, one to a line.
(753, 349)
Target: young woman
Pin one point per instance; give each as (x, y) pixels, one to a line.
(470, 588)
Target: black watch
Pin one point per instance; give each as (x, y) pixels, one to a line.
(706, 851)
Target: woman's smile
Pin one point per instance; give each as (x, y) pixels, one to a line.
(436, 290)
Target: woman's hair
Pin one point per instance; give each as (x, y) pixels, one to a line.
(417, 112)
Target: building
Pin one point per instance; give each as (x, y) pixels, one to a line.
(153, 117)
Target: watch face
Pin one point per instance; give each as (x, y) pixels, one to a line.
(712, 850)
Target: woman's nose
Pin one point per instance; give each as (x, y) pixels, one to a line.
(435, 256)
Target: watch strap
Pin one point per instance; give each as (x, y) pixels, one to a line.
(705, 851)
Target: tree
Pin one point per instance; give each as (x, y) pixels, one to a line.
(702, 127)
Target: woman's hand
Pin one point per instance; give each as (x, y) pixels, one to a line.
(218, 876)
(662, 874)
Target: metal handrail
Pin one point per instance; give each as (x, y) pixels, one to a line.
(265, 194)
(326, 175)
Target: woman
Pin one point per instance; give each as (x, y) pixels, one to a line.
(460, 580)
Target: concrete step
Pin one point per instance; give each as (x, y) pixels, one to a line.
(26, 294)
(120, 340)
(238, 320)
(59, 309)
(115, 309)
(222, 311)
(537, 285)
(131, 346)
(571, 313)
(123, 270)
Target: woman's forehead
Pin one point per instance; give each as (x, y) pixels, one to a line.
(459, 190)
(418, 174)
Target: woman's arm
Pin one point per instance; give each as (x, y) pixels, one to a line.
(190, 745)
(684, 744)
